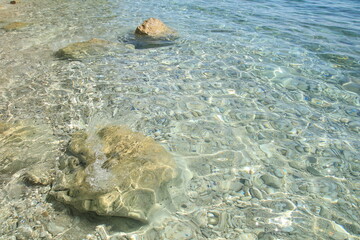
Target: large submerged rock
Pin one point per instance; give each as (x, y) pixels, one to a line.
(114, 172)
(154, 27)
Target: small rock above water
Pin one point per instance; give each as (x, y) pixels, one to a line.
(152, 33)
(84, 49)
(114, 172)
(154, 27)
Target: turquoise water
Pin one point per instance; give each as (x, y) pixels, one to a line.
(257, 101)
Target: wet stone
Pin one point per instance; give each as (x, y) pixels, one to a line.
(84, 49)
(279, 173)
(15, 26)
(296, 165)
(271, 181)
(313, 171)
(312, 160)
(25, 145)
(236, 186)
(114, 172)
(256, 193)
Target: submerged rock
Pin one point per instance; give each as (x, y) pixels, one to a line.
(154, 28)
(24, 146)
(15, 26)
(84, 49)
(115, 172)
(352, 87)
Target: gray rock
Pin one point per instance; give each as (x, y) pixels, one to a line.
(352, 87)
(271, 181)
(256, 193)
(313, 171)
(279, 173)
(54, 228)
(312, 159)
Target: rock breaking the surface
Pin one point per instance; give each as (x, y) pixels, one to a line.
(154, 27)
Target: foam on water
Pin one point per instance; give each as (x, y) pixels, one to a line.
(258, 101)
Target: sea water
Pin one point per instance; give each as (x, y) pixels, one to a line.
(258, 102)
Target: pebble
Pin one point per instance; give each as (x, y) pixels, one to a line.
(54, 228)
(271, 181)
(312, 160)
(235, 186)
(295, 165)
(313, 171)
(247, 236)
(279, 173)
(212, 218)
(256, 193)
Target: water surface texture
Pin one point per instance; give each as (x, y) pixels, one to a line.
(257, 101)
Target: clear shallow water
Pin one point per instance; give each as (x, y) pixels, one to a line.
(258, 101)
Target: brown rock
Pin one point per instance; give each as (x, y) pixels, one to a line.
(15, 26)
(154, 28)
(80, 50)
(115, 172)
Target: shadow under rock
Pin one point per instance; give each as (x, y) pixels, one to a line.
(91, 219)
(144, 42)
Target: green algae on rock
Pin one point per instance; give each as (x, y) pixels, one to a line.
(115, 172)
(15, 26)
(84, 49)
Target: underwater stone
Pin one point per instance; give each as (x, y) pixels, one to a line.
(114, 172)
(84, 49)
(313, 171)
(256, 193)
(279, 173)
(15, 26)
(24, 145)
(352, 87)
(355, 126)
(271, 181)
